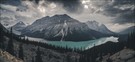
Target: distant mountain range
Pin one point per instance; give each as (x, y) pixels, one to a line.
(2, 28)
(123, 35)
(98, 27)
(19, 26)
(61, 27)
(128, 30)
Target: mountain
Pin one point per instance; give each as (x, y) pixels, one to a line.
(19, 26)
(128, 30)
(2, 28)
(61, 27)
(98, 27)
(123, 35)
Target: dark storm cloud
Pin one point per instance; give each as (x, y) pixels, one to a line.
(11, 2)
(69, 5)
(117, 2)
(36, 1)
(122, 10)
(127, 17)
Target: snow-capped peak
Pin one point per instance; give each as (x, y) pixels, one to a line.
(19, 26)
(20, 23)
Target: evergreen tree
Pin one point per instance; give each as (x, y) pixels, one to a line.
(10, 46)
(68, 58)
(38, 56)
(32, 59)
(109, 60)
(1, 39)
(21, 55)
(76, 60)
(100, 56)
(131, 40)
(93, 54)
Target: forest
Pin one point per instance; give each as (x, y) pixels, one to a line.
(94, 54)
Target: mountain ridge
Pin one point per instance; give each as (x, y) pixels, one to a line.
(99, 27)
(19, 26)
(61, 27)
(128, 30)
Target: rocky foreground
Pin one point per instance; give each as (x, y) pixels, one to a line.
(125, 55)
(6, 57)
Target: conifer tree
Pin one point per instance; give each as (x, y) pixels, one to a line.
(10, 46)
(131, 40)
(68, 58)
(21, 55)
(1, 39)
(38, 57)
(100, 56)
(32, 59)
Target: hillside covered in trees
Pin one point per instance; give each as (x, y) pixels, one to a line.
(31, 51)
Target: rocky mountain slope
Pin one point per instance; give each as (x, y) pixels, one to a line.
(61, 27)
(98, 27)
(127, 31)
(19, 26)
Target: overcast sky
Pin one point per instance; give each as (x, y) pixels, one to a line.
(115, 14)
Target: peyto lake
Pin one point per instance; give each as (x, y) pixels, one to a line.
(79, 45)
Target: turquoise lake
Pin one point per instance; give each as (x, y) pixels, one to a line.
(83, 44)
(79, 45)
